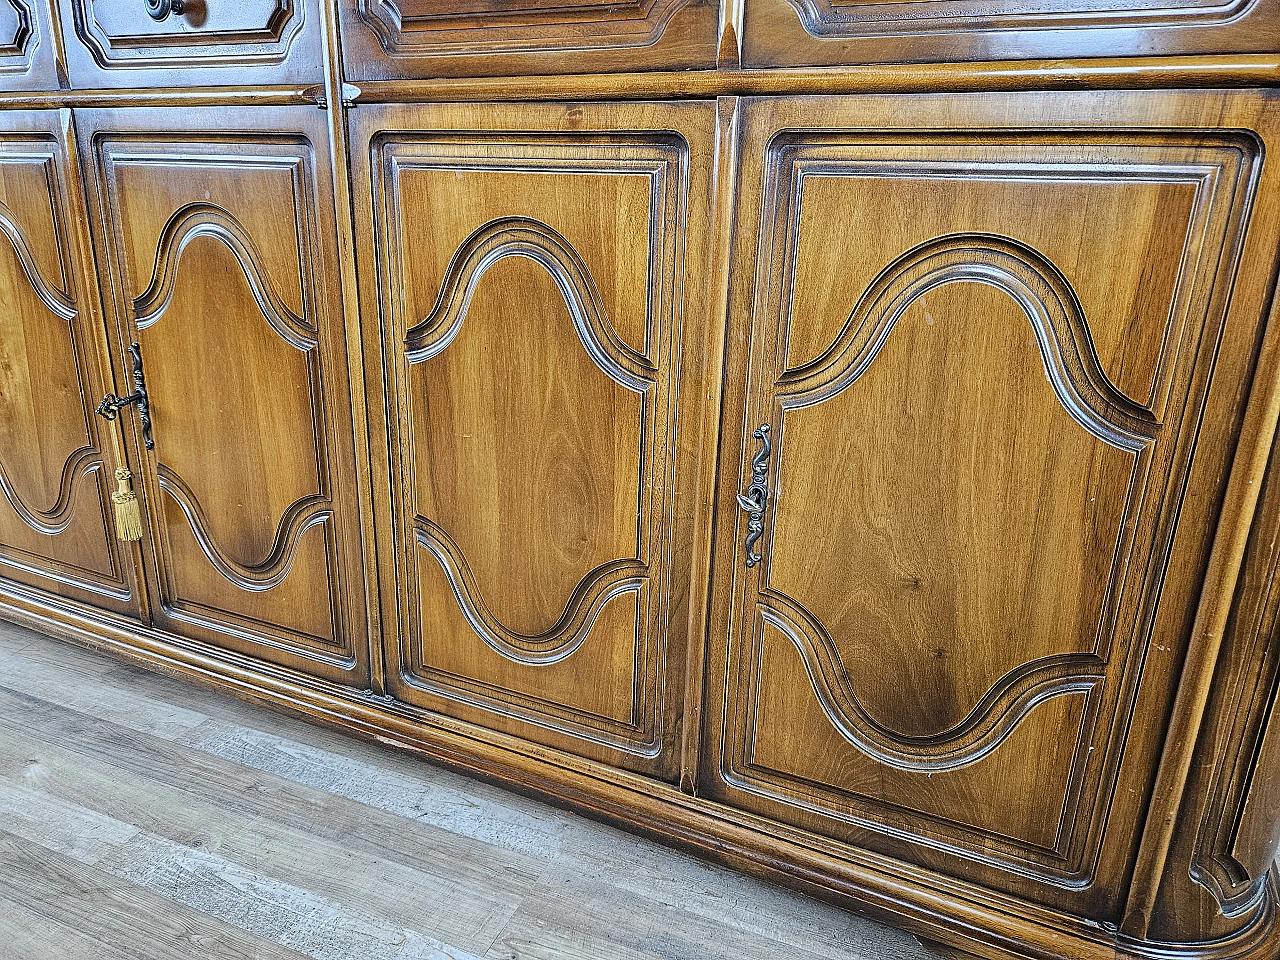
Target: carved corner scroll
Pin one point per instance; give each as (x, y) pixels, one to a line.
(267, 573)
(17, 43)
(564, 637)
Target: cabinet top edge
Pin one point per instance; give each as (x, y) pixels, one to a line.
(1244, 70)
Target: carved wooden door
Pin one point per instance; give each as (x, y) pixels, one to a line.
(217, 232)
(539, 286)
(56, 457)
(981, 342)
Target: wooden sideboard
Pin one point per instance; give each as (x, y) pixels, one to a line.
(832, 437)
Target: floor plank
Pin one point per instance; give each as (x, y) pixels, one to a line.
(324, 846)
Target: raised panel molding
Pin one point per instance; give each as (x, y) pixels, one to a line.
(1095, 686)
(616, 610)
(451, 28)
(850, 19)
(258, 574)
(267, 40)
(1035, 284)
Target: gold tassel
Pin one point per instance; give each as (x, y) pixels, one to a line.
(128, 516)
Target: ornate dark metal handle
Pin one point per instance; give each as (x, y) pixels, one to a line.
(111, 405)
(160, 9)
(756, 499)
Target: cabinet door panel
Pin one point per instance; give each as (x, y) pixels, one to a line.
(813, 32)
(979, 360)
(55, 455)
(532, 288)
(224, 275)
(230, 42)
(393, 39)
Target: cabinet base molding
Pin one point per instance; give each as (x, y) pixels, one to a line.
(933, 906)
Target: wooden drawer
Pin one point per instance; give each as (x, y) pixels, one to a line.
(815, 32)
(542, 302)
(117, 43)
(394, 39)
(28, 58)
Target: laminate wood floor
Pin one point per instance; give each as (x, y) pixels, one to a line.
(145, 819)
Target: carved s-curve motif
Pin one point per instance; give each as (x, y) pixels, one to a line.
(525, 237)
(57, 518)
(58, 302)
(994, 717)
(267, 573)
(82, 462)
(207, 220)
(565, 636)
(1037, 286)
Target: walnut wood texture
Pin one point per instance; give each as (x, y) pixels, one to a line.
(813, 32)
(56, 457)
(210, 43)
(542, 301)
(442, 454)
(960, 643)
(216, 231)
(389, 39)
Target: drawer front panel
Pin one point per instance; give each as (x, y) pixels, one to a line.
(980, 359)
(812, 32)
(533, 286)
(117, 43)
(393, 39)
(28, 60)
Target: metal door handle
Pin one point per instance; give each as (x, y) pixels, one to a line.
(756, 500)
(111, 405)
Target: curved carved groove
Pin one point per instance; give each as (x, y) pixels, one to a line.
(990, 722)
(271, 571)
(57, 518)
(58, 302)
(525, 237)
(206, 220)
(1037, 286)
(565, 636)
